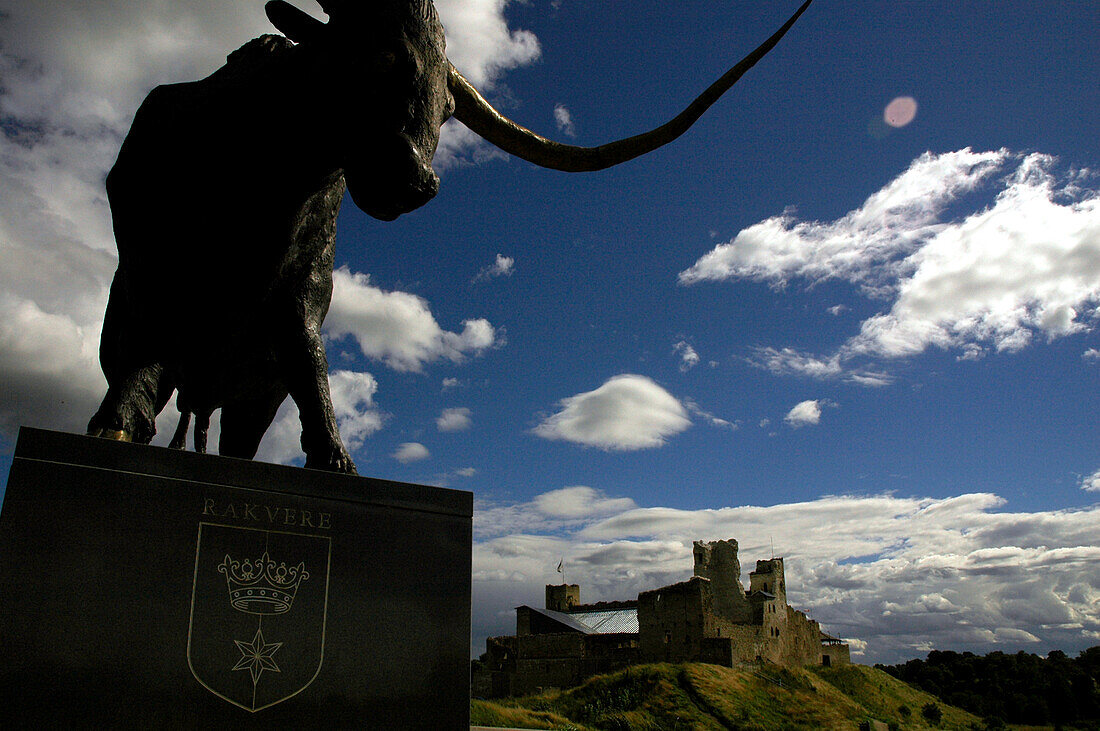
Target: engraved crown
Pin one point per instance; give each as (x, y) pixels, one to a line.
(262, 586)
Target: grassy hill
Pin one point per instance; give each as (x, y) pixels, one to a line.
(697, 696)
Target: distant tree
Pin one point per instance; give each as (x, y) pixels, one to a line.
(932, 712)
(1019, 688)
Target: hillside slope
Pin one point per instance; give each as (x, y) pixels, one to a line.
(697, 696)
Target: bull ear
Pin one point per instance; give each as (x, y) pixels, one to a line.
(296, 25)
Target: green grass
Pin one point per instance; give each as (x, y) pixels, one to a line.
(883, 696)
(694, 696)
(489, 713)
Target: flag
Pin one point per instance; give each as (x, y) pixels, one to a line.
(561, 566)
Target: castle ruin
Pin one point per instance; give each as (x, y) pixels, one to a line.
(708, 618)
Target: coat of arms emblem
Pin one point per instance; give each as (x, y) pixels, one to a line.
(258, 608)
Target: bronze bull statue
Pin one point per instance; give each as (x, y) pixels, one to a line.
(225, 194)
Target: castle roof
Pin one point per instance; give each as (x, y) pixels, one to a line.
(605, 622)
(609, 622)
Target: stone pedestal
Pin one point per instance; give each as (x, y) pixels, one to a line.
(142, 586)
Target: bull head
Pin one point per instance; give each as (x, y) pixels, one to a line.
(400, 44)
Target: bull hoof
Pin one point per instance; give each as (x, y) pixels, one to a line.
(335, 459)
(118, 435)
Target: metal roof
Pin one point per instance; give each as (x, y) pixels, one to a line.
(606, 622)
(610, 621)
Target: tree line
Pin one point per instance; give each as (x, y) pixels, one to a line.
(1019, 688)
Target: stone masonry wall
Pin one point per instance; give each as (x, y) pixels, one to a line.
(718, 562)
(838, 654)
(671, 621)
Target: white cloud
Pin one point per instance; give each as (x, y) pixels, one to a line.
(709, 418)
(788, 361)
(627, 412)
(564, 120)
(49, 369)
(1091, 354)
(456, 419)
(353, 401)
(465, 472)
(411, 452)
(502, 266)
(857, 247)
(994, 278)
(398, 328)
(548, 513)
(688, 357)
(804, 413)
(282, 442)
(579, 502)
(895, 574)
(73, 74)
(480, 43)
(1091, 482)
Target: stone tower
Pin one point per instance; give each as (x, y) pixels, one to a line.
(717, 561)
(769, 577)
(562, 597)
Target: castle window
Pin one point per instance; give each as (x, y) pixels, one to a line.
(668, 636)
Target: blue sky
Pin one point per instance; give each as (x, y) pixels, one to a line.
(871, 345)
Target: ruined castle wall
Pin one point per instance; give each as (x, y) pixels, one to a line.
(493, 679)
(801, 641)
(671, 621)
(565, 660)
(523, 621)
(836, 654)
(562, 597)
(605, 606)
(768, 577)
(547, 661)
(611, 652)
(718, 562)
(746, 644)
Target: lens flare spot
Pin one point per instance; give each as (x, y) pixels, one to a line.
(900, 112)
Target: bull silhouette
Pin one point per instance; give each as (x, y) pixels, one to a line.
(225, 194)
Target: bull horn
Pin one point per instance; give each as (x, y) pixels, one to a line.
(293, 23)
(472, 110)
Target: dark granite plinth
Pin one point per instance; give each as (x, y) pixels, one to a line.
(142, 586)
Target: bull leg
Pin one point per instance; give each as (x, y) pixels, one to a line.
(180, 436)
(129, 410)
(305, 369)
(244, 424)
(202, 426)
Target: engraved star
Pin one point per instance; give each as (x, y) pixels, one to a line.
(256, 656)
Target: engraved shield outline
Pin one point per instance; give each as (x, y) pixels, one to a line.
(324, 614)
